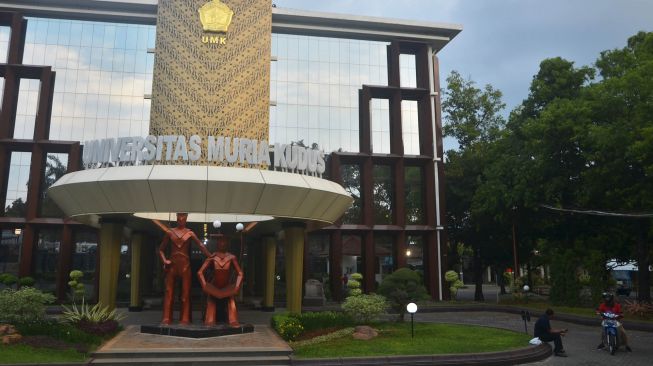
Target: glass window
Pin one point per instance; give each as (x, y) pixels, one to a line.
(383, 191)
(55, 168)
(352, 260)
(351, 181)
(15, 203)
(5, 34)
(328, 74)
(28, 97)
(380, 120)
(10, 251)
(415, 253)
(318, 259)
(407, 71)
(414, 195)
(46, 259)
(410, 127)
(384, 256)
(85, 259)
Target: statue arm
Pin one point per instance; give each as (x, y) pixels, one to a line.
(203, 249)
(162, 248)
(200, 273)
(239, 273)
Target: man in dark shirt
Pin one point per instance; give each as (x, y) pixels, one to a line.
(545, 333)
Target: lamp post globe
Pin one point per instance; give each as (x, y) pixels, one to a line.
(240, 226)
(217, 224)
(411, 308)
(526, 288)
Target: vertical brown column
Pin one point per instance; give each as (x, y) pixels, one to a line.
(393, 64)
(30, 238)
(368, 261)
(364, 121)
(396, 130)
(17, 39)
(7, 123)
(400, 250)
(65, 262)
(431, 269)
(335, 265)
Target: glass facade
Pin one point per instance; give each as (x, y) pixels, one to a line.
(315, 83)
(102, 87)
(103, 72)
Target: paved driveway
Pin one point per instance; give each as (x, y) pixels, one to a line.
(580, 343)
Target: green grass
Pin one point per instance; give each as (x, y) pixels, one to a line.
(19, 353)
(395, 339)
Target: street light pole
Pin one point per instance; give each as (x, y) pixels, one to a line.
(515, 273)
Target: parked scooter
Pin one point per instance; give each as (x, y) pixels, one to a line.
(610, 334)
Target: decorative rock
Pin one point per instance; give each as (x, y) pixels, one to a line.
(7, 329)
(364, 332)
(12, 338)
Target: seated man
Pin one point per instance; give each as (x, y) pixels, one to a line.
(609, 305)
(545, 333)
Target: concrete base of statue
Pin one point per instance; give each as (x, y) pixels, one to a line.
(196, 330)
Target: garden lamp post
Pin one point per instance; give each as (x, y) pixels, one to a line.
(412, 309)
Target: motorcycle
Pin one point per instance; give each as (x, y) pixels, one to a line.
(610, 334)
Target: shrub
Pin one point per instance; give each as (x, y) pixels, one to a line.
(454, 283)
(355, 292)
(94, 319)
(76, 285)
(356, 276)
(8, 279)
(639, 309)
(288, 327)
(24, 305)
(402, 287)
(51, 328)
(26, 282)
(365, 308)
(323, 319)
(353, 284)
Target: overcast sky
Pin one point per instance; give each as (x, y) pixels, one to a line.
(503, 41)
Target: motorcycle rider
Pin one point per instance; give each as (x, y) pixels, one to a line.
(609, 305)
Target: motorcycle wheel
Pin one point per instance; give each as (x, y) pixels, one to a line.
(612, 344)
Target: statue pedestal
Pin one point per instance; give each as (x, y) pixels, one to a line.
(196, 330)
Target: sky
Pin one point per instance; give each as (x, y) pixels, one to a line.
(503, 41)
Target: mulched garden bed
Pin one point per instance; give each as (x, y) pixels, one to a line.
(49, 342)
(316, 333)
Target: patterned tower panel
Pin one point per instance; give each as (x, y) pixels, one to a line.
(212, 83)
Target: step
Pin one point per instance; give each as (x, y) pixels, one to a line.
(193, 361)
(193, 353)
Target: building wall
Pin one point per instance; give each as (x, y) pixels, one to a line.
(380, 138)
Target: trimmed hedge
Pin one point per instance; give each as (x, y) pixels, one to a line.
(291, 326)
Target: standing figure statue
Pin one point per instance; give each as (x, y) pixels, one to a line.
(178, 265)
(222, 286)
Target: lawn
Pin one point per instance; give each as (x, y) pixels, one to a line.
(395, 339)
(20, 353)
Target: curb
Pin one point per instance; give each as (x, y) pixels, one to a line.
(514, 357)
(581, 320)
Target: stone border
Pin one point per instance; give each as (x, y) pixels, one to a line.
(513, 357)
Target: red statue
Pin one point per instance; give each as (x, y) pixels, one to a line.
(178, 266)
(221, 287)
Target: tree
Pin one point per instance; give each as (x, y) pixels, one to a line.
(402, 287)
(472, 117)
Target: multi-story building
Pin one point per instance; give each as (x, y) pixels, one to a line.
(365, 90)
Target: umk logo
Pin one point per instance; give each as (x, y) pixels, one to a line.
(215, 17)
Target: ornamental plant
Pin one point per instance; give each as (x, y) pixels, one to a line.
(365, 308)
(354, 284)
(96, 319)
(24, 305)
(287, 326)
(401, 287)
(454, 283)
(76, 286)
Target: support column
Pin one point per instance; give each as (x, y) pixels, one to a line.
(270, 243)
(135, 302)
(110, 238)
(294, 250)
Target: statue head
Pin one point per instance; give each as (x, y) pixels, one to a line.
(181, 219)
(223, 243)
